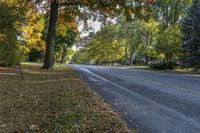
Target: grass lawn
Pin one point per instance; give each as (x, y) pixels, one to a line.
(52, 101)
(179, 70)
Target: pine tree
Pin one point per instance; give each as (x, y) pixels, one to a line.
(191, 36)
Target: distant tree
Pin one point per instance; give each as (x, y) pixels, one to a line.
(191, 36)
(65, 39)
(105, 46)
(168, 43)
(170, 12)
(149, 35)
(131, 35)
(32, 32)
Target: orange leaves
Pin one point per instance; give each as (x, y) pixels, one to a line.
(68, 20)
(147, 2)
(72, 25)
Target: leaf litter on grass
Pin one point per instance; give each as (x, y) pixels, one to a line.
(54, 101)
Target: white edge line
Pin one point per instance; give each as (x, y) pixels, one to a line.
(144, 98)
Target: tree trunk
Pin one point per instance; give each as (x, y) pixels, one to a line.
(131, 58)
(126, 56)
(147, 46)
(146, 59)
(50, 41)
(64, 52)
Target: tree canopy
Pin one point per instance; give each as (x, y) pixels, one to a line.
(131, 32)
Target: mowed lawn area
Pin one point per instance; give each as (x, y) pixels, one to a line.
(52, 101)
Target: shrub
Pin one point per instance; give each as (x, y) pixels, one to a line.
(163, 65)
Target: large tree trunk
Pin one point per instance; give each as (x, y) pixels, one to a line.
(50, 41)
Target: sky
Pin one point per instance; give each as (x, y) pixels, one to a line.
(94, 24)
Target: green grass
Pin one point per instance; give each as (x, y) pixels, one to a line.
(30, 63)
(180, 70)
(53, 101)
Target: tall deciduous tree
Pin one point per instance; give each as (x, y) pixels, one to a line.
(168, 43)
(149, 35)
(105, 46)
(131, 34)
(32, 32)
(65, 39)
(50, 41)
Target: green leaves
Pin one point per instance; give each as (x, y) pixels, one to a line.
(65, 39)
(169, 41)
(104, 47)
(8, 38)
(21, 29)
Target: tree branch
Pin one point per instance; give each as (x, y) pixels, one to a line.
(107, 4)
(68, 3)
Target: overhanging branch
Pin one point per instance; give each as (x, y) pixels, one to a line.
(75, 2)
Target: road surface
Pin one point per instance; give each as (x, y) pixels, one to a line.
(148, 101)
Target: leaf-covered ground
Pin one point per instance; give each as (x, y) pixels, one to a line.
(53, 101)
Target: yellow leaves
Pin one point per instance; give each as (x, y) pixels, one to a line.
(61, 30)
(67, 20)
(162, 56)
(25, 49)
(11, 2)
(2, 37)
(105, 46)
(32, 32)
(139, 11)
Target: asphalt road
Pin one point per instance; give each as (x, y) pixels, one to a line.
(148, 101)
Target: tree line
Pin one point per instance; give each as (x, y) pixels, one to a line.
(144, 31)
(35, 24)
(166, 35)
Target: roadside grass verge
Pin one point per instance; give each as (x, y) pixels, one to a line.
(53, 101)
(178, 69)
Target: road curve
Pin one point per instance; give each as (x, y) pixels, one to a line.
(148, 101)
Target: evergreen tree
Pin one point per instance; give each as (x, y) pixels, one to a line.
(191, 36)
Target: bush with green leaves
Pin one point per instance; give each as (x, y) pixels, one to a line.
(163, 65)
